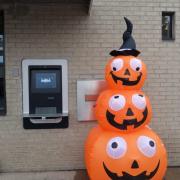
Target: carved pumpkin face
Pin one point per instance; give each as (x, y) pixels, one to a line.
(123, 111)
(135, 156)
(125, 72)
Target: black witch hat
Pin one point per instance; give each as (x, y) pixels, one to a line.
(129, 46)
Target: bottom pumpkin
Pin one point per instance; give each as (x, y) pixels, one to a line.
(140, 155)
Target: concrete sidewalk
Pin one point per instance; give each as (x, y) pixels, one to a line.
(172, 174)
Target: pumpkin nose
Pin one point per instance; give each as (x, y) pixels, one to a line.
(135, 165)
(127, 72)
(129, 112)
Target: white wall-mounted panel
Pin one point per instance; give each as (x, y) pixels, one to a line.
(87, 93)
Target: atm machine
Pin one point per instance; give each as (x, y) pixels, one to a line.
(45, 93)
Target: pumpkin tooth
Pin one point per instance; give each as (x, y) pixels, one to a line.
(148, 173)
(119, 174)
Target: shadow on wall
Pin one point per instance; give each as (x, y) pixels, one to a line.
(81, 175)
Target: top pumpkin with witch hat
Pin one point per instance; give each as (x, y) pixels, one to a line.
(125, 71)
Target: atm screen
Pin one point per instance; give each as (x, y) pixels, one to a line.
(45, 80)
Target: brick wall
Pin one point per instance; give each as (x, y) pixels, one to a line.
(66, 31)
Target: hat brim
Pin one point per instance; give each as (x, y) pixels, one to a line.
(125, 52)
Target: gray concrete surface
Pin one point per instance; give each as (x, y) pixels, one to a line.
(172, 174)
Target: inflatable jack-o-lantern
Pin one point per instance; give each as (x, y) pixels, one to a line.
(140, 155)
(122, 147)
(124, 111)
(125, 73)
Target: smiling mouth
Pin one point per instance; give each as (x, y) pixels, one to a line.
(126, 81)
(126, 122)
(127, 176)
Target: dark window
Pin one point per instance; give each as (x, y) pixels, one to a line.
(2, 68)
(168, 25)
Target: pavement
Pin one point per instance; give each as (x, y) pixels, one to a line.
(172, 174)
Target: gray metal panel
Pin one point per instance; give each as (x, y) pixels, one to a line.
(88, 87)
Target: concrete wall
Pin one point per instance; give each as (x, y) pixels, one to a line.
(66, 31)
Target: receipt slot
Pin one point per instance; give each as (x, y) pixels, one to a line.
(45, 93)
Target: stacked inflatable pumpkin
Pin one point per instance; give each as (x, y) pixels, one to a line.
(122, 146)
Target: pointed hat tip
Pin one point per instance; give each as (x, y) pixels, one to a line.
(125, 18)
(129, 25)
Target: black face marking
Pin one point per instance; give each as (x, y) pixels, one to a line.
(126, 122)
(127, 176)
(127, 72)
(126, 81)
(114, 145)
(151, 143)
(135, 165)
(129, 112)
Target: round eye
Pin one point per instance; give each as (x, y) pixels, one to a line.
(117, 64)
(117, 102)
(147, 146)
(136, 64)
(139, 101)
(116, 147)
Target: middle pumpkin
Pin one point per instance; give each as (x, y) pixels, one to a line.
(124, 111)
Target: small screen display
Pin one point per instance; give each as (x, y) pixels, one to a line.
(46, 80)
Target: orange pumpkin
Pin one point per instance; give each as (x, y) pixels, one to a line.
(125, 73)
(110, 155)
(123, 111)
